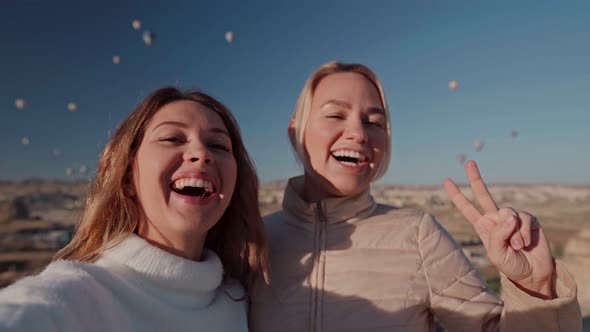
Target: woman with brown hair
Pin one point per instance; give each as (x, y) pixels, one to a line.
(171, 234)
(341, 262)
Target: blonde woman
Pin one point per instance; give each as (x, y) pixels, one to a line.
(171, 234)
(341, 262)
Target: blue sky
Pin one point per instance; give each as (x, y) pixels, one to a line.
(521, 65)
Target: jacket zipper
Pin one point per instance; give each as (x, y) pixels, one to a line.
(319, 264)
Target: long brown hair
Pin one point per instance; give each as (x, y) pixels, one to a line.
(112, 212)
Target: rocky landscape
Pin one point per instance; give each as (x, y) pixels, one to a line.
(37, 217)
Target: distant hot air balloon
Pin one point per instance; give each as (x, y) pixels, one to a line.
(478, 145)
(453, 85)
(514, 134)
(136, 24)
(69, 171)
(20, 103)
(229, 37)
(56, 152)
(116, 59)
(148, 37)
(25, 141)
(83, 169)
(461, 158)
(72, 107)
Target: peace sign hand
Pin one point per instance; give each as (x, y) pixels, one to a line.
(514, 241)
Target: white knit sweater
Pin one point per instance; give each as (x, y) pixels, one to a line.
(132, 287)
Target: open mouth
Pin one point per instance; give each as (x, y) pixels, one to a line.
(350, 158)
(193, 187)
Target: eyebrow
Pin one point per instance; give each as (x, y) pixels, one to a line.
(184, 125)
(344, 104)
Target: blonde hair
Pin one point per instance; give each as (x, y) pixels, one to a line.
(303, 107)
(112, 212)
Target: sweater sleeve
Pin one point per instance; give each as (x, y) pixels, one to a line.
(54, 300)
(560, 314)
(461, 300)
(23, 307)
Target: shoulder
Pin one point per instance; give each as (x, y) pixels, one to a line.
(44, 300)
(422, 222)
(409, 214)
(411, 225)
(406, 218)
(57, 277)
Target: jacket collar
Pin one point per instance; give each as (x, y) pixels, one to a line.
(331, 210)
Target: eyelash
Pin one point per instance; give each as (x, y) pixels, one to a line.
(172, 139)
(176, 140)
(372, 123)
(335, 116)
(375, 123)
(220, 147)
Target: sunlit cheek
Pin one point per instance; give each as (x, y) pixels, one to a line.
(315, 155)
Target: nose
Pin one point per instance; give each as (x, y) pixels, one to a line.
(355, 130)
(198, 154)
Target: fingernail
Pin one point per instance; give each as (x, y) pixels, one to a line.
(516, 244)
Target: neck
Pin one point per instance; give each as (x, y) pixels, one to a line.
(189, 248)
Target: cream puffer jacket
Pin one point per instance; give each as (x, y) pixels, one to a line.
(349, 264)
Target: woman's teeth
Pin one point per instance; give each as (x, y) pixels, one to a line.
(349, 163)
(194, 183)
(349, 158)
(351, 154)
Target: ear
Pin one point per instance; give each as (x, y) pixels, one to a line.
(292, 135)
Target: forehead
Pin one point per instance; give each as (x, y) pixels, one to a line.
(347, 87)
(189, 113)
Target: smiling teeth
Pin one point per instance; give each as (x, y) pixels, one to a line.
(196, 183)
(350, 163)
(351, 154)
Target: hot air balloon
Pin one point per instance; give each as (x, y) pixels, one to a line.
(478, 145)
(56, 152)
(514, 134)
(453, 85)
(20, 103)
(69, 171)
(136, 24)
(72, 107)
(116, 59)
(83, 169)
(25, 141)
(229, 37)
(148, 37)
(461, 158)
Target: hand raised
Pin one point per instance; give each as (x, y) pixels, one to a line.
(514, 241)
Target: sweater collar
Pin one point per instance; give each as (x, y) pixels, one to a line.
(165, 269)
(332, 210)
